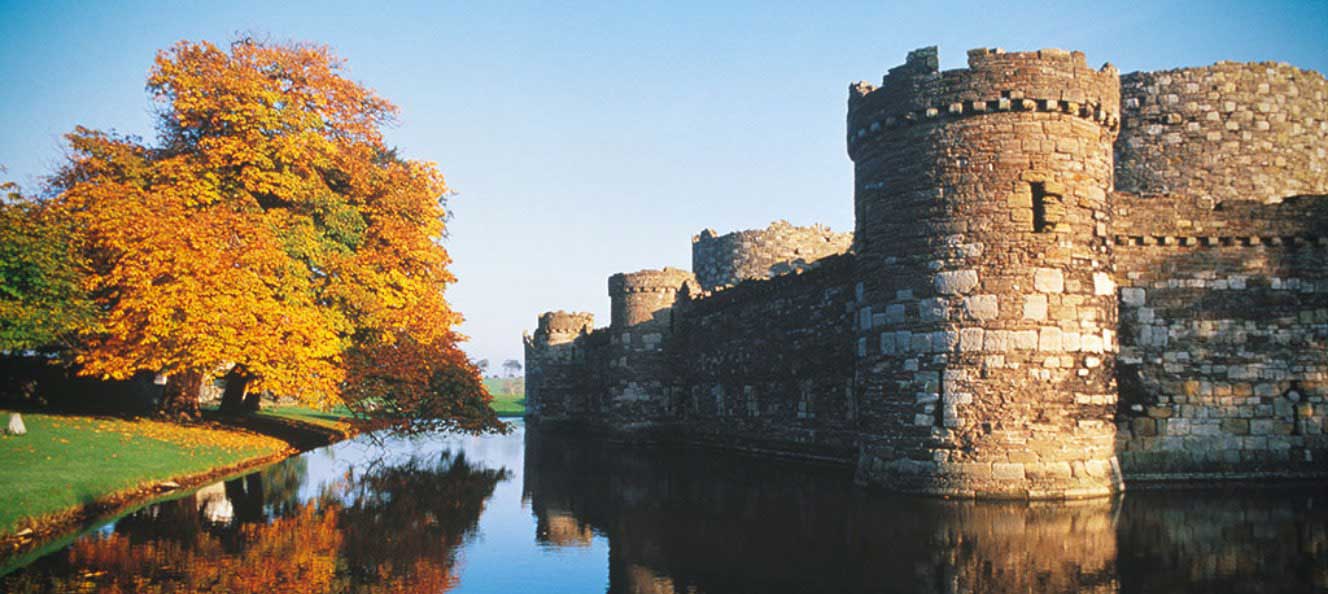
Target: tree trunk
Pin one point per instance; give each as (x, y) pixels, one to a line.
(179, 400)
(234, 398)
(252, 400)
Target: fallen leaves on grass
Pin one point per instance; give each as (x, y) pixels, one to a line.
(200, 438)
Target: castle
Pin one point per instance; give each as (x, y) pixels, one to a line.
(1060, 280)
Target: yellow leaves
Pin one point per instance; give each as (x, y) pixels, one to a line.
(197, 439)
(272, 229)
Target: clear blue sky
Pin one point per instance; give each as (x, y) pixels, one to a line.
(598, 138)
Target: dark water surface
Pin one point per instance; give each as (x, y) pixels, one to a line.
(538, 512)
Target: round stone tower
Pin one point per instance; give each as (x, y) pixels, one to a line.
(985, 304)
(556, 374)
(638, 378)
(781, 248)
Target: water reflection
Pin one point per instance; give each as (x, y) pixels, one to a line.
(444, 513)
(693, 521)
(386, 528)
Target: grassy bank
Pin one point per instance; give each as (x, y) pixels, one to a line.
(71, 468)
(509, 395)
(66, 462)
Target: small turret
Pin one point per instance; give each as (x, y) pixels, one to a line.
(557, 380)
(781, 248)
(638, 379)
(645, 296)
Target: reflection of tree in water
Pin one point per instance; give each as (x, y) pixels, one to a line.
(281, 485)
(407, 518)
(392, 529)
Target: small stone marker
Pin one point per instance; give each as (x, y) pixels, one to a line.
(16, 426)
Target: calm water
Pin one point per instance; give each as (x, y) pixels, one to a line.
(534, 512)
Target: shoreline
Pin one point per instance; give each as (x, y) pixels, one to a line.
(46, 529)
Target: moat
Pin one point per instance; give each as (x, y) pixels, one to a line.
(535, 511)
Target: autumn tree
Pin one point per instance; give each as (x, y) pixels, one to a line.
(42, 302)
(270, 236)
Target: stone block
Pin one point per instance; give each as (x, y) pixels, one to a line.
(1071, 341)
(1048, 280)
(1049, 339)
(932, 310)
(1097, 468)
(955, 282)
(1133, 296)
(1091, 343)
(1024, 340)
(920, 342)
(903, 341)
(970, 339)
(1006, 471)
(887, 343)
(1103, 284)
(1236, 426)
(996, 341)
(1160, 412)
(945, 341)
(1035, 307)
(15, 425)
(1144, 427)
(1049, 470)
(981, 307)
(894, 313)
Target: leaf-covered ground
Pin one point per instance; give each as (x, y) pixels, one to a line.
(67, 461)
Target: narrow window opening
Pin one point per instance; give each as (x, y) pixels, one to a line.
(1048, 208)
(1039, 207)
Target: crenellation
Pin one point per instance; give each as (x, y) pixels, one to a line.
(1060, 280)
(781, 248)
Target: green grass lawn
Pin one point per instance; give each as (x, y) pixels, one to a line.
(67, 461)
(334, 418)
(509, 395)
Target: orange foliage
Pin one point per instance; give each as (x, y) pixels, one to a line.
(271, 230)
(294, 554)
(395, 529)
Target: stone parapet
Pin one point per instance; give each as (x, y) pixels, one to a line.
(781, 248)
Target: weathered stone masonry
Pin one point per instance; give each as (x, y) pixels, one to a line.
(1008, 323)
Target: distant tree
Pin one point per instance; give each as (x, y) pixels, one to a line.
(483, 366)
(43, 305)
(512, 366)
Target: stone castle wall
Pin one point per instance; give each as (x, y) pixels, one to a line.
(1225, 132)
(781, 248)
(768, 365)
(1224, 336)
(1006, 323)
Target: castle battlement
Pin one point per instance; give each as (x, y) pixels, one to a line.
(1048, 81)
(562, 322)
(780, 248)
(664, 280)
(1060, 280)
